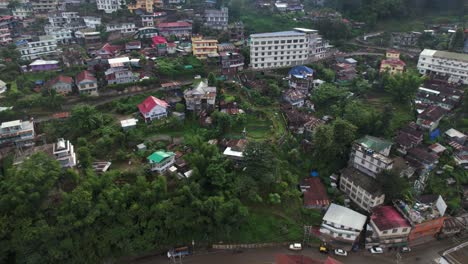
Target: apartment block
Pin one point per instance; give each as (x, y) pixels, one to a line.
(450, 64)
(44, 6)
(20, 133)
(204, 48)
(370, 155)
(217, 19)
(122, 28)
(45, 46)
(108, 6)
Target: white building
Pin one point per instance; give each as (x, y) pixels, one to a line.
(64, 153)
(342, 224)
(161, 160)
(21, 133)
(92, 22)
(122, 28)
(45, 46)
(217, 19)
(453, 65)
(108, 6)
(22, 11)
(363, 190)
(61, 35)
(44, 6)
(370, 155)
(287, 48)
(153, 108)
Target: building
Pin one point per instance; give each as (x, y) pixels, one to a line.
(88, 36)
(387, 228)
(345, 72)
(301, 78)
(235, 149)
(5, 36)
(128, 124)
(144, 5)
(160, 44)
(342, 226)
(23, 11)
(204, 48)
(361, 189)
(455, 255)
(153, 108)
(20, 133)
(44, 6)
(315, 194)
(44, 65)
(86, 83)
(64, 153)
(232, 62)
(119, 71)
(161, 160)
(455, 135)
(108, 6)
(46, 46)
(201, 97)
(370, 155)
(92, 22)
(124, 28)
(146, 33)
(217, 19)
(426, 217)
(318, 48)
(61, 84)
(450, 64)
(405, 39)
(236, 31)
(429, 119)
(294, 97)
(392, 64)
(409, 137)
(180, 29)
(61, 35)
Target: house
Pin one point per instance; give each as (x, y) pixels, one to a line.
(235, 149)
(455, 135)
(161, 160)
(101, 166)
(294, 97)
(128, 124)
(236, 31)
(44, 65)
(408, 137)
(405, 39)
(345, 72)
(301, 78)
(201, 97)
(454, 226)
(64, 153)
(108, 51)
(3, 87)
(315, 194)
(361, 189)
(108, 6)
(123, 28)
(86, 83)
(461, 157)
(180, 29)
(231, 62)
(133, 45)
(119, 71)
(426, 217)
(146, 33)
(216, 19)
(231, 108)
(342, 226)
(301, 259)
(421, 158)
(61, 84)
(392, 66)
(153, 108)
(171, 48)
(204, 48)
(20, 133)
(160, 44)
(387, 228)
(370, 155)
(429, 119)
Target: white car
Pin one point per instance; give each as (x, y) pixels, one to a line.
(341, 252)
(405, 249)
(376, 250)
(295, 246)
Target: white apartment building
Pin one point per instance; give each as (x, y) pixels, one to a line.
(370, 155)
(61, 35)
(64, 153)
(21, 133)
(23, 11)
(342, 224)
(44, 6)
(5, 36)
(122, 28)
(92, 22)
(451, 64)
(45, 46)
(108, 6)
(361, 189)
(287, 48)
(217, 19)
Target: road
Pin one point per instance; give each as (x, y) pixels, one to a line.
(424, 254)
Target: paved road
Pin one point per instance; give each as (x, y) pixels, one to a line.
(424, 254)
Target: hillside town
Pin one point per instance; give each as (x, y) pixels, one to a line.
(132, 128)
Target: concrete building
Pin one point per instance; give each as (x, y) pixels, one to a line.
(61, 35)
(301, 78)
(201, 97)
(23, 11)
(20, 133)
(5, 36)
(361, 189)
(46, 46)
(178, 29)
(61, 84)
(455, 255)
(387, 228)
(217, 19)
(145, 5)
(44, 6)
(450, 64)
(64, 153)
(124, 28)
(370, 155)
(392, 63)
(430, 118)
(161, 160)
(204, 48)
(108, 6)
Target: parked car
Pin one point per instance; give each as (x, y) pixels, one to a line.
(376, 250)
(323, 249)
(178, 252)
(405, 250)
(295, 246)
(341, 252)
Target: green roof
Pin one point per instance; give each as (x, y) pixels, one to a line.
(159, 156)
(376, 144)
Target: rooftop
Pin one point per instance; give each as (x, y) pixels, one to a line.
(425, 208)
(360, 179)
(457, 254)
(315, 194)
(374, 143)
(454, 133)
(290, 33)
(159, 156)
(341, 215)
(387, 217)
(150, 102)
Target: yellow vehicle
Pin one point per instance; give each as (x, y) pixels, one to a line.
(323, 249)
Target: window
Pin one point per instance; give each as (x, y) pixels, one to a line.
(295, 41)
(276, 41)
(263, 42)
(385, 232)
(289, 41)
(394, 231)
(270, 42)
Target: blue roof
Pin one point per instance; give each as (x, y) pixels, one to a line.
(301, 71)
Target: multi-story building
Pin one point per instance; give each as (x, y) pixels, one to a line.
(430, 118)
(61, 35)
(46, 46)
(147, 20)
(318, 48)
(153, 108)
(20, 133)
(231, 62)
(342, 226)
(145, 5)
(450, 64)
(361, 189)
(92, 22)
(426, 217)
(370, 155)
(454, 255)
(301, 78)
(88, 36)
(64, 153)
(23, 11)
(5, 36)
(119, 72)
(204, 48)
(86, 83)
(202, 97)
(405, 39)
(123, 28)
(217, 19)
(146, 33)
(236, 31)
(392, 63)
(161, 160)
(44, 6)
(178, 29)
(11, 24)
(109, 6)
(387, 228)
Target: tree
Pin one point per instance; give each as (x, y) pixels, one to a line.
(393, 185)
(403, 87)
(457, 40)
(180, 107)
(211, 79)
(260, 163)
(84, 157)
(360, 86)
(85, 118)
(328, 94)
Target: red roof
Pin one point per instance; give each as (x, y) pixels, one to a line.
(110, 48)
(316, 194)
(85, 75)
(174, 24)
(149, 103)
(159, 40)
(387, 217)
(60, 78)
(394, 62)
(61, 115)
